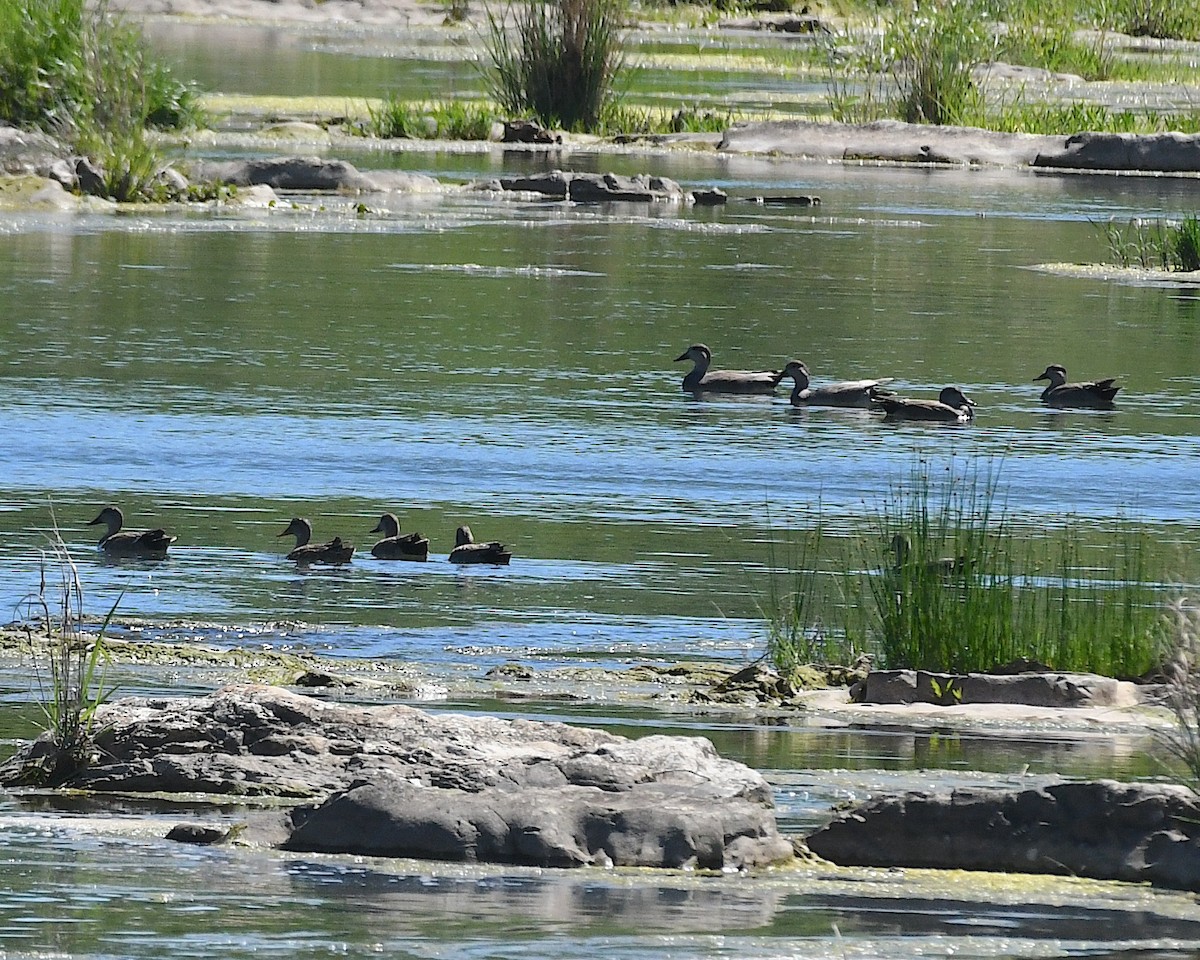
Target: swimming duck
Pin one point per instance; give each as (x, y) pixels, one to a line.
(701, 380)
(844, 393)
(466, 550)
(333, 551)
(1093, 393)
(139, 544)
(951, 406)
(943, 566)
(412, 546)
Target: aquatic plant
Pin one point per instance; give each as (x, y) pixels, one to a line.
(564, 63)
(941, 581)
(1154, 244)
(73, 70)
(1182, 673)
(801, 604)
(940, 594)
(70, 669)
(66, 64)
(932, 47)
(453, 120)
(1164, 19)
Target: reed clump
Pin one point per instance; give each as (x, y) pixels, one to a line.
(941, 581)
(70, 669)
(562, 65)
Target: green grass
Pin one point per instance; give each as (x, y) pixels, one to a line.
(84, 76)
(965, 593)
(454, 120)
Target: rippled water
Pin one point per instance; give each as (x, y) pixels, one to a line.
(456, 359)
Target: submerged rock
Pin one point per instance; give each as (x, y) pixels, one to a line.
(1104, 830)
(397, 781)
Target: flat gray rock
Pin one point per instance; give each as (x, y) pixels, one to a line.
(888, 140)
(308, 175)
(1029, 689)
(1105, 830)
(397, 781)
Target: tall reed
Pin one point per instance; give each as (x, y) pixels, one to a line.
(70, 668)
(563, 66)
(940, 581)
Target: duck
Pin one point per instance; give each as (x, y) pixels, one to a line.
(942, 566)
(844, 393)
(702, 380)
(466, 550)
(951, 406)
(138, 544)
(1093, 393)
(333, 551)
(411, 546)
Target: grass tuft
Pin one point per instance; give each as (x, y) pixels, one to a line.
(70, 669)
(563, 64)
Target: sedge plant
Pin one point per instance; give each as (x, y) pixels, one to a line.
(70, 668)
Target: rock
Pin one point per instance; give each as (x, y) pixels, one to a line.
(887, 140)
(286, 173)
(1103, 829)
(526, 131)
(1158, 153)
(1029, 689)
(398, 780)
(554, 826)
(197, 833)
(90, 178)
(24, 151)
(712, 197)
(590, 187)
(296, 130)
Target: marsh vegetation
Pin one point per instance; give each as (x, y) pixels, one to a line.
(939, 578)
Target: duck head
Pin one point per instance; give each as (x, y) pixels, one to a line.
(1056, 373)
(111, 517)
(388, 525)
(462, 536)
(299, 528)
(798, 372)
(698, 353)
(954, 397)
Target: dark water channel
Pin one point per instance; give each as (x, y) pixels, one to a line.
(457, 359)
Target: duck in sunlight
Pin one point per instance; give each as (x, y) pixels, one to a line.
(135, 544)
(703, 380)
(466, 550)
(951, 406)
(332, 551)
(1098, 394)
(843, 393)
(411, 546)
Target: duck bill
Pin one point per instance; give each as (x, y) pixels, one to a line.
(99, 519)
(682, 356)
